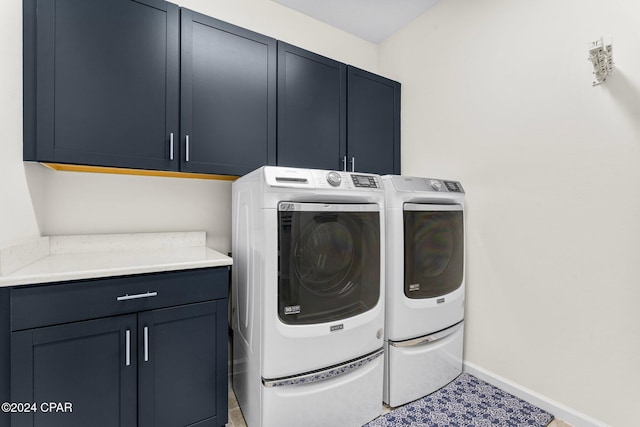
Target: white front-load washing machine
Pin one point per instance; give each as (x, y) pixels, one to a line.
(308, 297)
(425, 286)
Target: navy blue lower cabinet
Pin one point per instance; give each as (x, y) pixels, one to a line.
(5, 355)
(153, 361)
(182, 368)
(75, 375)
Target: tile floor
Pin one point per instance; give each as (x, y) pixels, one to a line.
(236, 419)
(235, 415)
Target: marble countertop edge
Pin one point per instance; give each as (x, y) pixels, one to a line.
(28, 263)
(36, 279)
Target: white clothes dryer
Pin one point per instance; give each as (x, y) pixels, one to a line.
(425, 287)
(308, 297)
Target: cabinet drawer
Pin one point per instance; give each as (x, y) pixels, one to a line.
(37, 306)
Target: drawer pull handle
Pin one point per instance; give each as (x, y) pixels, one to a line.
(127, 354)
(137, 296)
(429, 338)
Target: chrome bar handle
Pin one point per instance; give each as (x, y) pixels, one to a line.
(429, 338)
(353, 164)
(171, 146)
(127, 352)
(136, 296)
(146, 343)
(344, 163)
(187, 147)
(324, 374)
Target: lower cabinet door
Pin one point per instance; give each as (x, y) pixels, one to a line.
(182, 366)
(77, 374)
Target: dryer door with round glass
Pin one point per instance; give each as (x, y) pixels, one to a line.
(433, 249)
(328, 261)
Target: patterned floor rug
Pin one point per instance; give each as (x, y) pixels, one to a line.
(465, 402)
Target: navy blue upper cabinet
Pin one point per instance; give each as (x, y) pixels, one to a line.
(373, 125)
(101, 82)
(311, 109)
(228, 97)
(143, 84)
(334, 116)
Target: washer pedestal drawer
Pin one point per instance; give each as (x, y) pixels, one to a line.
(347, 400)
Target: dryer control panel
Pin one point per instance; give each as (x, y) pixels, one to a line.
(408, 183)
(320, 179)
(365, 181)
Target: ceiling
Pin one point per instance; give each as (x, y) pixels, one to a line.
(372, 20)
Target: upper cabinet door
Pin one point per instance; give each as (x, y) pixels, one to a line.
(373, 128)
(228, 97)
(102, 82)
(311, 109)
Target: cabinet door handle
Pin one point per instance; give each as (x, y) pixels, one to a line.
(186, 148)
(136, 296)
(171, 146)
(344, 163)
(127, 350)
(353, 164)
(146, 343)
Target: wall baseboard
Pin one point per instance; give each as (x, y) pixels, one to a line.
(559, 410)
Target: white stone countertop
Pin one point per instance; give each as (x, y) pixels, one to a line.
(62, 258)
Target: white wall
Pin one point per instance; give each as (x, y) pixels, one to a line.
(35, 201)
(498, 95)
(277, 21)
(17, 216)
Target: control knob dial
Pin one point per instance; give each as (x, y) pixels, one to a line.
(435, 184)
(334, 179)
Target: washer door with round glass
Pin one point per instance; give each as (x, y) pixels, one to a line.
(328, 261)
(433, 250)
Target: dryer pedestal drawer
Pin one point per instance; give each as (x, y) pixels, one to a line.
(419, 369)
(51, 304)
